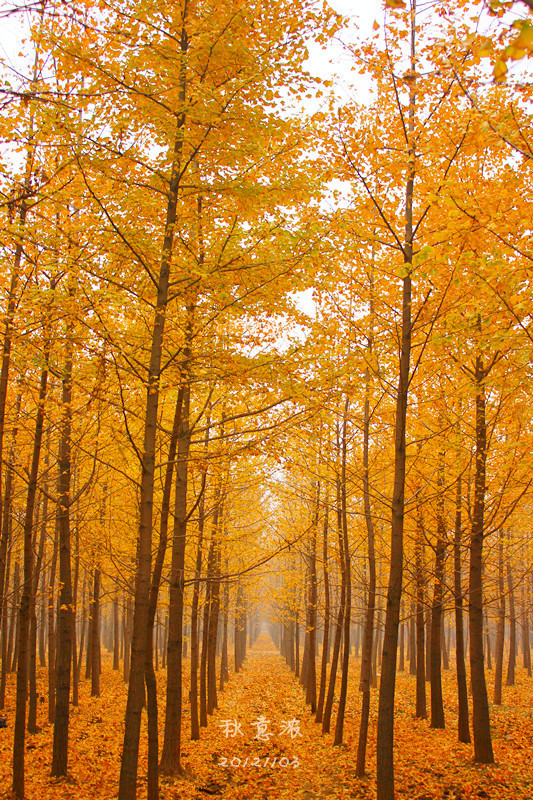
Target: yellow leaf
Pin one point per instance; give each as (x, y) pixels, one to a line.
(486, 47)
(500, 70)
(525, 40)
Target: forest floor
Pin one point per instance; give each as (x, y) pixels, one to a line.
(291, 759)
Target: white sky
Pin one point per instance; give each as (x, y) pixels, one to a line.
(362, 12)
(334, 62)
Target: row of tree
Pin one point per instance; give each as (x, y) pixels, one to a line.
(172, 419)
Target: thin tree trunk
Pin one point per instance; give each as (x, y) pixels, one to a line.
(116, 634)
(224, 669)
(12, 636)
(130, 751)
(412, 639)
(437, 705)
(5, 555)
(526, 650)
(32, 706)
(500, 630)
(366, 656)
(52, 627)
(25, 602)
(95, 635)
(205, 633)
(387, 687)
(5, 512)
(421, 709)
(325, 640)
(487, 640)
(511, 664)
(64, 616)
(74, 615)
(310, 685)
(347, 577)
(170, 758)
(340, 619)
(3, 672)
(193, 694)
(483, 752)
(150, 677)
(463, 728)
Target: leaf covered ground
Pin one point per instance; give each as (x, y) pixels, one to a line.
(263, 743)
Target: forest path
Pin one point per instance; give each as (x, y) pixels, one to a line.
(262, 742)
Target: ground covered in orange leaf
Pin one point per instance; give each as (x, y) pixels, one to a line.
(263, 743)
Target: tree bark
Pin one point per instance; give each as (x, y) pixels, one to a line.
(170, 763)
(437, 705)
(193, 694)
(150, 677)
(130, 751)
(32, 706)
(347, 577)
(366, 656)
(511, 664)
(387, 688)
(95, 635)
(340, 619)
(421, 709)
(500, 630)
(463, 728)
(310, 695)
(65, 611)
(325, 640)
(25, 601)
(483, 752)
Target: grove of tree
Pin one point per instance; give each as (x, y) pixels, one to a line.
(265, 435)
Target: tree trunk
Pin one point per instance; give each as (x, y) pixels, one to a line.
(25, 601)
(487, 640)
(366, 655)
(5, 554)
(13, 634)
(116, 634)
(150, 677)
(500, 630)
(340, 619)
(32, 706)
(325, 640)
(421, 709)
(74, 616)
(347, 578)
(205, 634)
(511, 664)
(5, 512)
(480, 719)
(52, 627)
(170, 758)
(224, 668)
(130, 751)
(463, 728)
(437, 706)
(412, 639)
(310, 685)
(4, 631)
(64, 615)
(526, 650)
(95, 635)
(193, 695)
